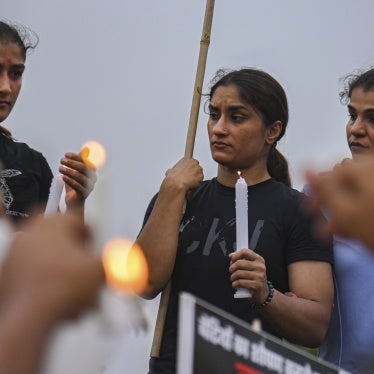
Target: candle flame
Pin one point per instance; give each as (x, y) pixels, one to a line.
(125, 266)
(93, 154)
(239, 173)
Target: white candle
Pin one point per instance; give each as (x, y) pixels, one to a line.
(241, 207)
(98, 212)
(55, 192)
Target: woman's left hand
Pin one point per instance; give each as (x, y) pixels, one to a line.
(248, 271)
(78, 177)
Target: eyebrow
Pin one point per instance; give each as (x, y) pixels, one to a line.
(231, 108)
(366, 111)
(17, 66)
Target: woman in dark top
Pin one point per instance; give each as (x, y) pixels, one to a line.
(25, 176)
(285, 268)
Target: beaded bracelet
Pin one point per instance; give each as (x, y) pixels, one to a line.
(268, 299)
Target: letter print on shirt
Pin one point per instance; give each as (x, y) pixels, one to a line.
(216, 236)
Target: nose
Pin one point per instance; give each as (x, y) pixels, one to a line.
(5, 87)
(358, 128)
(220, 127)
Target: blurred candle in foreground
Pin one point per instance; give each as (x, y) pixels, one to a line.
(126, 273)
(241, 210)
(125, 266)
(98, 210)
(93, 154)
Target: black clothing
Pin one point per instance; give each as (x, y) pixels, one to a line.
(25, 178)
(278, 231)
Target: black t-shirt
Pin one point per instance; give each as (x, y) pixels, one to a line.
(25, 178)
(278, 231)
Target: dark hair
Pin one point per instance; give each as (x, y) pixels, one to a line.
(260, 90)
(24, 38)
(360, 79)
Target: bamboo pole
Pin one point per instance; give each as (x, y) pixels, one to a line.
(190, 142)
(199, 79)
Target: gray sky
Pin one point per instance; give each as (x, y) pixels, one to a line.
(122, 73)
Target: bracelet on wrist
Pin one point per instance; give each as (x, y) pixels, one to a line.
(267, 300)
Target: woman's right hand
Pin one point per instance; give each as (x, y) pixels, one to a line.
(186, 174)
(248, 270)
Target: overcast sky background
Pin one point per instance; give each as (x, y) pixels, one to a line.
(122, 73)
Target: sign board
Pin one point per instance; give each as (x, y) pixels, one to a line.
(211, 341)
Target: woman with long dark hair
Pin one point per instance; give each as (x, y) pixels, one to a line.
(286, 269)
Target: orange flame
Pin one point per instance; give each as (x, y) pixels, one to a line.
(93, 154)
(125, 266)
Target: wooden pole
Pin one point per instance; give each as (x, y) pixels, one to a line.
(190, 142)
(199, 79)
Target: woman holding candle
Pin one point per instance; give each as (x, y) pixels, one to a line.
(25, 177)
(196, 251)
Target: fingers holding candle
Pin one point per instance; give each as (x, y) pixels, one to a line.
(79, 178)
(248, 272)
(79, 171)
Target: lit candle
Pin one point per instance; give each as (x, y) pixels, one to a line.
(241, 207)
(125, 266)
(94, 156)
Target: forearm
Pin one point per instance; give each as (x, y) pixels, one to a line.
(23, 335)
(159, 237)
(300, 321)
(77, 209)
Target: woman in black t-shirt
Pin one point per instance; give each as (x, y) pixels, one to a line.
(25, 175)
(285, 268)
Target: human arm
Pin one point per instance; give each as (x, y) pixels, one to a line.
(302, 319)
(79, 181)
(347, 193)
(159, 236)
(49, 274)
